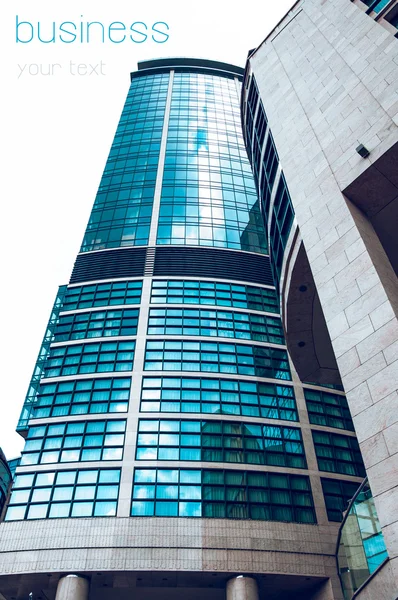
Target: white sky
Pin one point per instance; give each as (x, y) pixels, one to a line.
(56, 134)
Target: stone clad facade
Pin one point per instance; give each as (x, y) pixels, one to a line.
(172, 450)
(328, 79)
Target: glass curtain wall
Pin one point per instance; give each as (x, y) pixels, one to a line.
(361, 548)
(208, 193)
(203, 349)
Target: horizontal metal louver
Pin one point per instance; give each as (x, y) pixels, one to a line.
(173, 261)
(109, 264)
(209, 262)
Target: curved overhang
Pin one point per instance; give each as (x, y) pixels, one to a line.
(198, 65)
(123, 554)
(306, 332)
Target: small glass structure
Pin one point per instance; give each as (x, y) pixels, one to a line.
(360, 548)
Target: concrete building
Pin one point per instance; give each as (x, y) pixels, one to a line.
(320, 116)
(171, 449)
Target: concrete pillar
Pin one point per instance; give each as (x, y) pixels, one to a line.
(72, 587)
(242, 588)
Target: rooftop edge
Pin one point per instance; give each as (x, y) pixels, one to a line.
(162, 65)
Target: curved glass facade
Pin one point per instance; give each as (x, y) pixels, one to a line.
(122, 210)
(275, 202)
(361, 548)
(163, 390)
(208, 193)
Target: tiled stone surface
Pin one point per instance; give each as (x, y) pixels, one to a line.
(383, 474)
(377, 418)
(167, 544)
(391, 435)
(382, 586)
(374, 450)
(328, 77)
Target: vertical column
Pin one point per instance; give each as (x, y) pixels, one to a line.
(312, 463)
(239, 91)
(242, 588)
(72, 587)
(124, 504)
(159, 177)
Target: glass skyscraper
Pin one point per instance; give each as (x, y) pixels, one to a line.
(169, 442)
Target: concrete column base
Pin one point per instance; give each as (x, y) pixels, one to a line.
(72, 587)
(242, 588)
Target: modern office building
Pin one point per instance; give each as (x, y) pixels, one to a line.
(320, 120)
(171, 449)
(5, 481)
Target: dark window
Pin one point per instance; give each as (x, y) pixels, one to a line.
(392, 16)
(328, 409)
(208, 193)
(376, 5)
(215, 323)
(222, 494)
(73, 442)
(214, 293)
(269, 167)
(337, 495)
(338, 453)
(252, 99)
(104, 323)
(122, 211)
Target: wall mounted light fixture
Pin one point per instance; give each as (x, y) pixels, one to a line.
(362, 151)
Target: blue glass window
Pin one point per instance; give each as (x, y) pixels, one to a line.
(208, 192)
(220, 441)
(102, 294)
(328, 409)
(225, 396)
(215, 323)
(76, 441)
(214, 357)
(214, 293)
(252, 100)
(60, 494)
(89, 358)
(103, 323)
(82, 396)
